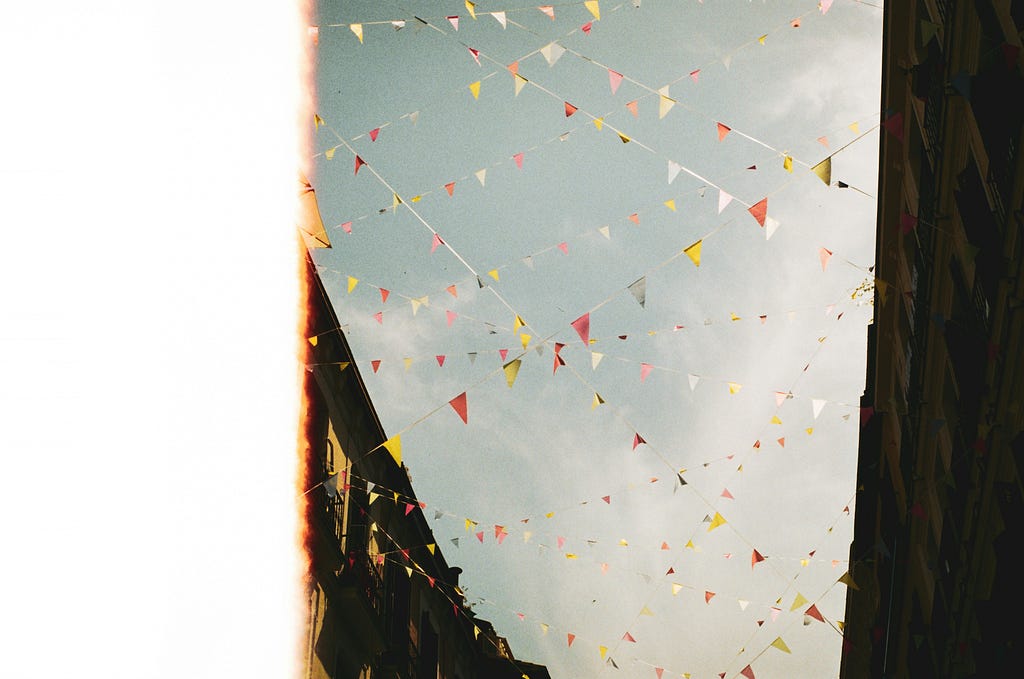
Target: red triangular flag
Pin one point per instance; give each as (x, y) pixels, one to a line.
(459, 404)
(503, 353)
(380, 317)
(586, 27)
(607, 499)
(670, 571)
(409, 508)
(894, 125)
(519, 160)
(814, 613)
(476, 55)
(440, 359)
(480, 536)
(664, 546)
(637, 440)
(759, 210)
(373, 133)
(450, 188)
(582, 327)
(722, 131)
(359, 163)
(747, 672)
(347, 226)
(757, 444)
(375, 365)
(755, 558)
(384, 295)
(571, 638)
(569, 109)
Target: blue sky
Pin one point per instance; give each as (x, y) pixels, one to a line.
(540, 447)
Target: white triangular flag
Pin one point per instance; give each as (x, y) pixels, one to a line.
(817, 404)
(723, 200)
(595, 358)
(673, 170)
(694, 379)
(552, 52)
(770, 224)
(481, 176)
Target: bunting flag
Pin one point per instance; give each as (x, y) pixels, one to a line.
(665, 102)
(629, 637)
(708, 596)
(717, 521)
(781, 645)
(755, 559)
(476, 55)
(632, 106)
(638, 289)
(548, 10)
(723, 200)
(518, 158)
(623, 138)
(511, 371)
(471, 8)
(481, 176)
(595, 358)
(824, 168)
(695, 75)
(394, 446)
(500, 18)
(693, 252)
(358, 30)
(824, 255)
(747, 672)
(586, 27)
(673, 170)
(454, 21)
(352, 283)
(359, 163)
(475, 89)
(722, 131)
(787, 164)
(597, 401)
(645, 370)
(614, 79)
(637, 440)
(459, 405)
(813, 612)
(570, 638)
(816, 405)
(552, 52)
(798, 601)
(734, 387)
(598, 123)
(435, 241)
(759, 210)
(520, 81)
(847, 580)
(569, 109)
(582, 327)
(694, 379)
(670, 204)
(375, 365)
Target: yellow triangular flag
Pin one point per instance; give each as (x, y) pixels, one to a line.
(317, 121)
(519, 81)
(469, 524)
(847, 580)
(824, 171)
(734, 387)
(675, 588)
(597, 401)
(416, 199)
(671, 205)
(798, 601)
(373, 496)
(511, 370)
(544, 627)
(809, 430)
(598, 123)
(313, 340)
(787, 164)
(623, 138)
(623, 543)
(855, 128)
(841, 625)
(408, 362)
(762, 38)
(646, 611)
(781, 645)
(431, 547)
(717, 521)
(775, 420)
(602, 650)
(525, 339)
(358, 30)
(352, 283)
(330, 153)
(689, 545)
(733, 316)
(594, 8)
(408, 571)
(394, 446)
(516, 324)
(475, 89)
(665, 102)
(693, 252)
(415, 305)
(471, 8)
(493, 273)
(395, 201)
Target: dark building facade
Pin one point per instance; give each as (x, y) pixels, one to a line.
(939, 516)
(382, 601)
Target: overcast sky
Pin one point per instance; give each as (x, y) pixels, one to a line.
(590, 212)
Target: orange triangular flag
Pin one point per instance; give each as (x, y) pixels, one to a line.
(569, 109)
(722, 131)
(782, 441)
(755, 558)
(459, 404)
(571, 638)
(548, 10)
(452, 291)
(450, 188)
(759, 210)
(708, 596)
(632, 107)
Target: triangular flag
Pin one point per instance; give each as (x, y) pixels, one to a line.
(763, 38)
(637, 440)
(519, 81)
(352, 283)
(347, 226)
(593, 7)
(394, 446)
(694, 379)
(635, 218)
(670, 204)
(787, 163)
(451, 316)
(569, 109)
(726, 494)
(780, 398)
(459, 405)
(759, 210)
(493, 273)
(586, 27)
(503, 353)
(894, 125)
(358, 30)
(549, 10)
(564, 247)
(475, 89)
(645, 370)
(598, 122)
(814, 613)
(375, 365)
(638, 288)
(519, 160)
(452, 290)
(695, 75)
(481, 176)
(708, 596)
(602, 650)
(632, 106)
(824, 170)
(798, 601)
(723, 130)
(511, 370)
(781, 441)
(723, 200)
(330, 153)
(525, 339)
(816, 405)
(673, 170)
(476, 55)
(500, 17)
(693, 252)
(384, 295)
(847, 580)
(717, 521)
(373, 133)
(755, 558)
(379, 316)
(570, 638)
(623, 138)
(747, 672)
(454, 21)
(517, 323)
(614, 79)
(658, 671)
(824, 5)
(552, 52)
(734, 387)
(824, 255)
(582, 327)
(359, 163)
(606, 232)
(435, 242)
(471, 8)
(743, 604)
(629, 637)
(665, 102)
(770, 226)
(595, 358)
(781, 645)
(775, 420)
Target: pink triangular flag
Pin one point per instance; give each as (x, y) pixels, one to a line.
(824, 255)
(780, 398)
(695, 75)
(454, 21)
(459, 404)
(723, 130)
(637, 440)
(607, 499)
(435, 242)
(823, 141)
(380, 317)
(586, 27)
(824, 5)
(519, 160)
(582, 326)
(480, 536)
(564, 247)
(503, 353)
(440, 359)
(409, 508)
(501, 538)
(727, 494)
(645, 370)
(451, 317)
(632, 107)
(373, 133)
(614, 79)
(628, 637)
(759, 210)
(476, 55)
(347, 226)
(561, 542)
